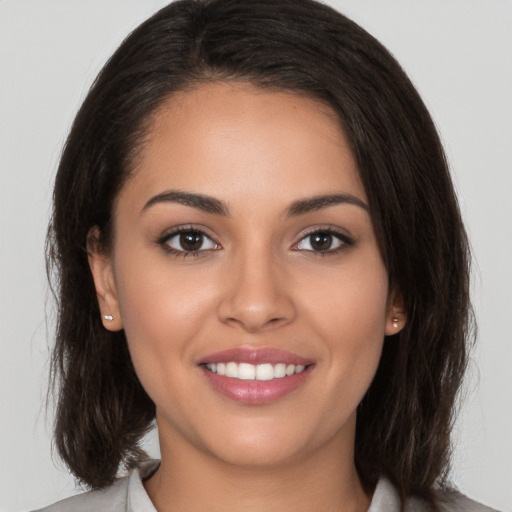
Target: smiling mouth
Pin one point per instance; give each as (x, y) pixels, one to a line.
(255, 376)
(260, 372)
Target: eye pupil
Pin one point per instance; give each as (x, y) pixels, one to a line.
(191, 241)
(321, 241)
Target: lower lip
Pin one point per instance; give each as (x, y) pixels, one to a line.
(256, 392)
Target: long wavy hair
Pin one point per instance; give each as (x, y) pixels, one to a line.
(405, 419)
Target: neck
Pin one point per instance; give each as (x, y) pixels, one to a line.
(190, 480)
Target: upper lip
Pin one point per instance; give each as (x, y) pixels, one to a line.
(255, 356)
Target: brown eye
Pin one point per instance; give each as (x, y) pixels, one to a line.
(188, 241)
(191, 241)
(321, 241)
(324, 241)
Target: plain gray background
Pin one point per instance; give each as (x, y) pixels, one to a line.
(457, 52)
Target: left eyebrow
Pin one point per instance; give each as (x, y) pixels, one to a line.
(200, 201)
(315, 203)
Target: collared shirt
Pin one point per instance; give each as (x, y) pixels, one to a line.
(128, 495)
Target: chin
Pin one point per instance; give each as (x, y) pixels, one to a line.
(273, 443)
(256, 455)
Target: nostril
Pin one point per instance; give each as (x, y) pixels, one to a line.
(252, 323)
(255, 301)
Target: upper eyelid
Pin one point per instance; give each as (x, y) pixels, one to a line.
(324, 229)
(176, 230)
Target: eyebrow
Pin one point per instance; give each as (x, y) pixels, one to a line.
(315, 203)
(201, 202)
(215, 206)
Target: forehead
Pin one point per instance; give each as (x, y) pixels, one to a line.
(233, 140)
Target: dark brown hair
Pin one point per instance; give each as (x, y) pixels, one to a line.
(405, 419)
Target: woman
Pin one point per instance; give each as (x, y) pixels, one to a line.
(257, 242)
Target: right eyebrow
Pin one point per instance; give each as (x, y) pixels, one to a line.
(202, 202)
(315, 203)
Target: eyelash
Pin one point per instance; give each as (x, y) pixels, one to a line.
(163, 241)
(344, 239)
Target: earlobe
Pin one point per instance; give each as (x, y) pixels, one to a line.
(102, 272)
(396, 316)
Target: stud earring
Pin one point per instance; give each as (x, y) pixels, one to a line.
(109, 318)
(395, 322)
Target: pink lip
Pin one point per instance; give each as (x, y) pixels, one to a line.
(255, 356)
(254, 392)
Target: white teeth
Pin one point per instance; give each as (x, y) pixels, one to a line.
(232, 370)
(280, 370)
(246, 371)
(264, 372)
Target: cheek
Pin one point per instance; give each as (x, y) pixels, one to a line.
(155, 294)
(162, 311)
(350, 302)
(347, 311)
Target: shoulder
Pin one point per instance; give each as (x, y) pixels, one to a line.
(125, 495)
(451, 500)
(111, 499)
(386, 498)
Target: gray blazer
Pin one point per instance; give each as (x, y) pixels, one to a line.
(128, 495)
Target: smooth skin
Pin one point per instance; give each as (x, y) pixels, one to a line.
(259, 265)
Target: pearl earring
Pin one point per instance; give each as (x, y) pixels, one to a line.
(109, 318)
(395, 322)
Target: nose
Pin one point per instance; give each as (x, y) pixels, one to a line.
(258, 294)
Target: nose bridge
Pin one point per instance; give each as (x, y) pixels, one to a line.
(257, 296)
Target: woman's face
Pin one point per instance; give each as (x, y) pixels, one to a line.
(246, 274)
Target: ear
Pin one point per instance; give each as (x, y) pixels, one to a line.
(396, 316)
(102, 271)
